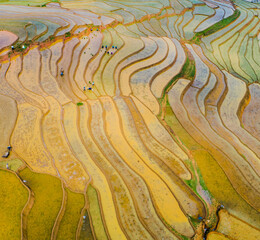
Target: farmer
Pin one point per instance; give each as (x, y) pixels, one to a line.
(61, 72)
(84, 89)
(6, 154)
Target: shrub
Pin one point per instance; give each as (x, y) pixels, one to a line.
(67, 34)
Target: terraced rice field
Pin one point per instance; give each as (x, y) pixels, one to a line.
(130, 120)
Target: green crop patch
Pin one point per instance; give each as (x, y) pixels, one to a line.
(70, 220)
(13, 164)
(95, 213)
(174, 123)
(188, 72)
(13, 198)
(219, 25)
(47, 191)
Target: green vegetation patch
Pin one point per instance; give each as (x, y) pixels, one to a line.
(196, 39)
(219, 25)
(51, 38)
(188, 72)
(13, 164)
(79, 104)
(13, 197)
(95, 214)
(48, 199)
(185, 137)
(69, 223)
(67, 34)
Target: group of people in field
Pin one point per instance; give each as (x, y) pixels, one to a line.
(91, 83)
(84, 88)
(89, 88)
(7, 153)
(111, 52)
